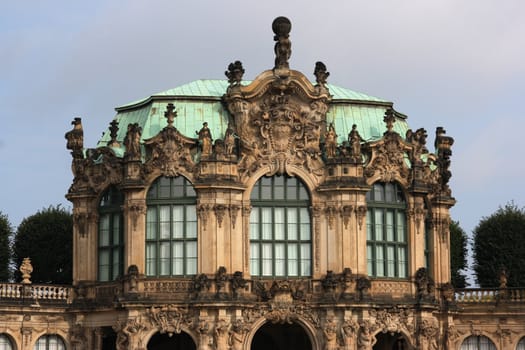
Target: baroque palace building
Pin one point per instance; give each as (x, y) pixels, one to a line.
(277, 213)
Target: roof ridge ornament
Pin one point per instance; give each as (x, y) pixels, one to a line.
(281, 26)
(170, 114)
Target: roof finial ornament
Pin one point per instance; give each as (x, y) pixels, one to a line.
(389, 119)
(113, 133)
(234, 73)
(170, 114)
(320, 73)
(283, 47)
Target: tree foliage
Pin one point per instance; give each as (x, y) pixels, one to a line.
(46, 238)
(499, 242)
(6, 233)
(458, 254)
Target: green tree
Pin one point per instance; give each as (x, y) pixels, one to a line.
(458, 254)
(499, 242)
(46, 238)
(6, 233)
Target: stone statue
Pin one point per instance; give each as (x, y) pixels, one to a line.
(234, 73)
(320, 73)
(132, 142)
(229, 140)
(237, 335)
(330, 335)
(283, 47)
(205, 139)
(26, 268)
(221, 335)
(365, 339)
(330, 141)
(354, 139)
(348, 333)
(204, 336)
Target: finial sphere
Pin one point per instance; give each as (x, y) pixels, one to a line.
(281, 26)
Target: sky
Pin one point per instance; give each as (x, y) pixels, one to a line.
(456, 64)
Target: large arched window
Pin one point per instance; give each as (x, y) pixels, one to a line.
(280, 234)
(386, 244)
(521, 344)
(110, 235)
(478, 342)
(5, 342)
(50, 342)
(171, 228)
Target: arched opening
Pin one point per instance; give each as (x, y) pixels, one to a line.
(478, 342)
(5, 342)
(181, 341)
(108, 338)
(387, 341)
(281, 337)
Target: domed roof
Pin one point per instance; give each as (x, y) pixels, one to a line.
(201, 101)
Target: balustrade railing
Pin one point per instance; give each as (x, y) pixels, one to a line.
(45, 292)
(489, 295)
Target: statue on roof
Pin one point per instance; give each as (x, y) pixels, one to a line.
(330, 141)
(205, 139)
(321, 75)
(354, 139)
(283, 47)
(132, 142)
(234, 73)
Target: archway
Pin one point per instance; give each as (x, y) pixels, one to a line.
(181, 341)
(281, 337)
(388, 341)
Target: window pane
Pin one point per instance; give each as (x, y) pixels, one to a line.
(164, 258)
(280, 260)
(178, 221)
(254, 223)
(267, 258)
(151, 223)
(369, 223)
(380, 263)
(291, 217)
(104, 230)
(389, 226)
(391, 262)
(151, 258)
(378, 221)
(278, 189)
(164, 220)
(279, 223)
(401, 235)
(370, 259)
(266, 223)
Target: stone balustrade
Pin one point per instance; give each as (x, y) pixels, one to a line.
(489, 295)
(40, 292)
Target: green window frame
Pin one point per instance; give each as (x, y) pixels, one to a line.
(171, 228)
(50, 342)
(110, 235)
(280, 228)
(386, 245)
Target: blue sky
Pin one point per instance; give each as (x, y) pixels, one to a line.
(460, 65)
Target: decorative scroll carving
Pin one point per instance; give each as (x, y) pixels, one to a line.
(394, 320)
(80, 221)
(169, 318)
(417, 212)
(77, 336)
(387, 160)
(361, 214)
(135, 210)
(220, 210)
(237, 333)
(200, 283)
(237, 283)
(316, 211)
(202, 212)
(280, 290)
(234, 210)
(363, 285)
(346, 212)
(220, 279)
(126, 330)
(331, 212)
(169, 151)
(428, 335)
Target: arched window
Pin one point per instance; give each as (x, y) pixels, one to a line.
(521, 344)
(171, 228)
(5, 342)
(49, 342)
(110, 235)
(478, 342)
(386, 244)
(280, 234)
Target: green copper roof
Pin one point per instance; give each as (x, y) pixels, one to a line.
(200, 101)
